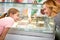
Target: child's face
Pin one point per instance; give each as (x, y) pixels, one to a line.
(46, 10)
(16, 16)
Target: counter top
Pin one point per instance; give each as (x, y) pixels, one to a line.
(18, 32)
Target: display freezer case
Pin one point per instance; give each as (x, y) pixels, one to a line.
(33, 24)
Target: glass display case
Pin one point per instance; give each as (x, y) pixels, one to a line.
(38, 25)
(31, 18)
(32, 21)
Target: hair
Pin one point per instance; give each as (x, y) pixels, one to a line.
(42, 11)
(11, 10)
(51, 4)
(58, 5)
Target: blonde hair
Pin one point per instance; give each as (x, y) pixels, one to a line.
(58, 5)
(52, 5)
(11, 10)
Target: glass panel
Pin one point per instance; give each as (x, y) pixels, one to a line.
(34, 21)
(31, 18)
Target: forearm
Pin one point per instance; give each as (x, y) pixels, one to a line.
(4, 33)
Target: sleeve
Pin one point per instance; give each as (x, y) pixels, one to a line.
(9, 23)
(57, 20)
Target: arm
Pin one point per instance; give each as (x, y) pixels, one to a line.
(8, 21)
(5, 31)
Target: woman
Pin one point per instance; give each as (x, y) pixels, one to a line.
(51, 9)
(7, 20)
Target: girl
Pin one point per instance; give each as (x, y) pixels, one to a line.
(7, 22)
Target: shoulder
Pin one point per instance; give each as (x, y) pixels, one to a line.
(57, 19)
(9, 21)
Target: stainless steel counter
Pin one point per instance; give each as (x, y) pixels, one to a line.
(15, 34)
